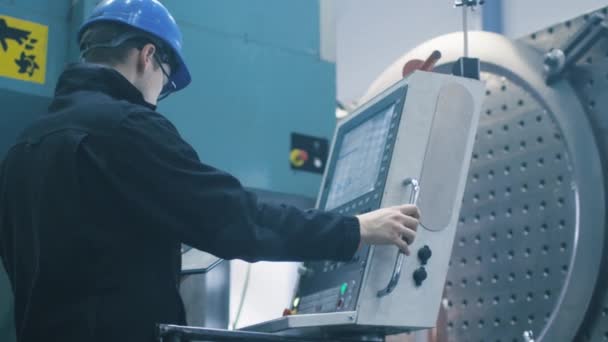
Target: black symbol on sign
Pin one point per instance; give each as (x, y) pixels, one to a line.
(27, 64)
(29, 46)
(15, 34)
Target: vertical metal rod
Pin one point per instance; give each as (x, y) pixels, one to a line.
(465, 30)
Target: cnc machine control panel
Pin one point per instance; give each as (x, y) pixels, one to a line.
(360, 162)
(410, 144)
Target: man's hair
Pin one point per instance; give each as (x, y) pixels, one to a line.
(101, 43)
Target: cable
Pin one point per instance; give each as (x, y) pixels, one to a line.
(243, 294)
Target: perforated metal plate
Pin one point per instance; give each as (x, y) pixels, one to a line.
(528, 248)
(516, 230)
(590, 80)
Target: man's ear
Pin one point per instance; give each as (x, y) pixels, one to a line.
(150, 52)
(145, 56)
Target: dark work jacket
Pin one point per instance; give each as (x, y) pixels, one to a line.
(96, 197)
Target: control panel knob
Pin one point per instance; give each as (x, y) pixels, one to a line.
(424, 254)
(419, 276)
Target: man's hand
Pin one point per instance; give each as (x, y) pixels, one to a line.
(395, 225)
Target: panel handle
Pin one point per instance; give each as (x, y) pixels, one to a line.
(415, 186)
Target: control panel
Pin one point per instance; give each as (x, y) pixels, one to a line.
(360, 162)
(410, 144)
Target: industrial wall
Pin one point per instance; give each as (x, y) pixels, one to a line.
(257, 77)
(373, 34)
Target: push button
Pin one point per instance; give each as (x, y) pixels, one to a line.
(419, 276)
(424, 254)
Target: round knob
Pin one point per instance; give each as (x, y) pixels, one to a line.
(419, 276)
(424, 254)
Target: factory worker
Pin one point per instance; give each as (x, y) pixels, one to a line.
(99, 193)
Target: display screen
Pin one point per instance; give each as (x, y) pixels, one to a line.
(359, 158)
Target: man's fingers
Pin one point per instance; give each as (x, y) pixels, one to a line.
(410, 210)
(408, 221)
(407, 235)
(411, 223)
(403, 247)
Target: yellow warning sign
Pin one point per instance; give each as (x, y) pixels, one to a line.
(23, 49)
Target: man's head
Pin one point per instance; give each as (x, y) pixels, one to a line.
(140, 39)
(143, 59)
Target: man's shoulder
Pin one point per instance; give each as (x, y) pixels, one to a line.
(90, 112)
(147, 121)
(99, 109)
(124, 119)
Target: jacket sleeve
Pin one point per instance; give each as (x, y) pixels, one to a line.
(160, 175)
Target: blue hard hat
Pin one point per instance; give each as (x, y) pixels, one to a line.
(151, 17)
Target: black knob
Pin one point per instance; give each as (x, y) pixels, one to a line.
(419, 276)
(424, 254)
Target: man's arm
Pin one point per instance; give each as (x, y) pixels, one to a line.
(161, 178)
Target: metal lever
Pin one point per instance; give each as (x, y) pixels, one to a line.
(400, 256)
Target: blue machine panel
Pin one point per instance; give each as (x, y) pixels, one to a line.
(250, 91)
(279, 24)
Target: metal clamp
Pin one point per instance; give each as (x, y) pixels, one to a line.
(557, 61)
(400, 256)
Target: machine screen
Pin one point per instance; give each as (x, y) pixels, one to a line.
(359, 159)
(355, 182)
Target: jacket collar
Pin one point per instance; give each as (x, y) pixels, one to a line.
(96, 77)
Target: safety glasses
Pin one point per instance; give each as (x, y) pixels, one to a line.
(168, 86)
